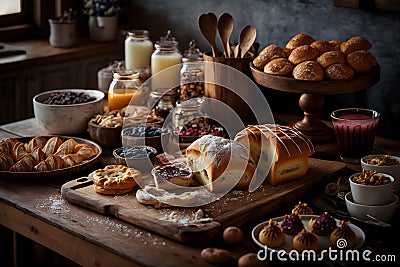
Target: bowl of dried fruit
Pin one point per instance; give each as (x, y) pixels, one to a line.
(67, 111)
(388, 164)
(371, 188)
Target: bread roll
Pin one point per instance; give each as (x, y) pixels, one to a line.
(308, 71)
(220, 164)
(279, 66)
(282, 149)
(355, 43)
(339, 71)
(303, 53)
(335, 44)
(322, 46)
(331, 57)
(267, 54)
(299, 40)
(359, 61)
(371, 58)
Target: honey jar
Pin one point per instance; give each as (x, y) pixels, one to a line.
(124, 89)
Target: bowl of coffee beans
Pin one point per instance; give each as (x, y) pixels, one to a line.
(67, 111)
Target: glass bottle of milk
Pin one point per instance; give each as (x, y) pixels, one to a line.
(138, 50)
(165, 63)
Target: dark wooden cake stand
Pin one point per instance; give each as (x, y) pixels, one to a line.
(313, 97)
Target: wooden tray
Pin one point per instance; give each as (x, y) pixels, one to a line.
(292, 85)
(35, 176)
(235, 208)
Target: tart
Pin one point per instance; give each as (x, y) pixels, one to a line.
(272, 235)
(305, 240)
(323, 225)
(115, 179)
(343, 232)
(292, 224)
(302, 209)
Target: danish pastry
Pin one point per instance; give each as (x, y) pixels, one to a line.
(115, 179)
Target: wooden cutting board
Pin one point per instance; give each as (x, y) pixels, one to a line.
(235, 208)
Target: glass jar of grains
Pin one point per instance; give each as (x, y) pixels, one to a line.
(192, 73)
(124, 89)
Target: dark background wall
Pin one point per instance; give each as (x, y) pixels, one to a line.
(277, 22)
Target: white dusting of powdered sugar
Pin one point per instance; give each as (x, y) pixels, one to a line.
(185, 219)
(55, 204)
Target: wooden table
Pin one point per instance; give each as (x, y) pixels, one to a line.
(38, 212)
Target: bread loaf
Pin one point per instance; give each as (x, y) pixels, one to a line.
(220, 164)
(282, 150)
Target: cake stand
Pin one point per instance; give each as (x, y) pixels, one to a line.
(313, 97)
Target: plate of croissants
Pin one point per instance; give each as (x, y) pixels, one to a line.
(46, 156)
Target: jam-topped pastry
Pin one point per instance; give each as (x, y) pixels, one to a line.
(166, 176)
(302, 209)
(272, 235)
(323, 225)
(292, 224)
(305, 240)
(343, 232)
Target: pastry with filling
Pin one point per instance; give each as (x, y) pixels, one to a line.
(343, 232)
(280, 151)
(272, 235)
(115, 179)
(302, 209)
(292, 224)
(305, 240)
(171, 175)
(323, 225)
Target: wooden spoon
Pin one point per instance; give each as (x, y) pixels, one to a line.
(246, 39)
(208, 27)
(225, 29)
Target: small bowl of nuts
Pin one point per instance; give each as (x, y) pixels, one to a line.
(384, 164)
(371, 188)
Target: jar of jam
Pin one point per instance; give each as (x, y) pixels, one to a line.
(192, 73)
(164, 100)
(124, 89)
(165, 62)
(138, 50)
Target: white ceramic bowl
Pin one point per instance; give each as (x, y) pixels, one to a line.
(393, 170)
(67, 119)
(382, 212)
(372, 194)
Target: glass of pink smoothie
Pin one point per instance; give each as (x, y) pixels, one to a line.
(355, 130)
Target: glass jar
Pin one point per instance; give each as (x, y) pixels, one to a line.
(105, 75)
(192, 73)
(124, 89)
(165, 56)
(138, 50)
(188, 114)
(164, 101)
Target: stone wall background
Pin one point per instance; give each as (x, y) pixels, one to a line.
(277, 22)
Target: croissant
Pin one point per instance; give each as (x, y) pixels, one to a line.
(52, 145)
(37, 141)
(19, 151)
(23, 165)
(6, 161)
(4, 148)
(11, 142)
(62, 152)
(69, 145)
(38, 155)
(51, 163)
(72, 159)
(85, 151)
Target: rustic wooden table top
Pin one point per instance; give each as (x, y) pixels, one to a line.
(37, 210)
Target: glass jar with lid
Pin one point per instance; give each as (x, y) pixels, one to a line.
(164, 101)
(192, 73)
(165, 62)
(105, 75)
(124, 89)
(189, 115)
(138, 50)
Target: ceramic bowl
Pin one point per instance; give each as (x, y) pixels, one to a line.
(67, 119)
(382, 212)
(158, 141)
(108, 137)
(141, 158)
(372, 194)
(393, 170)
